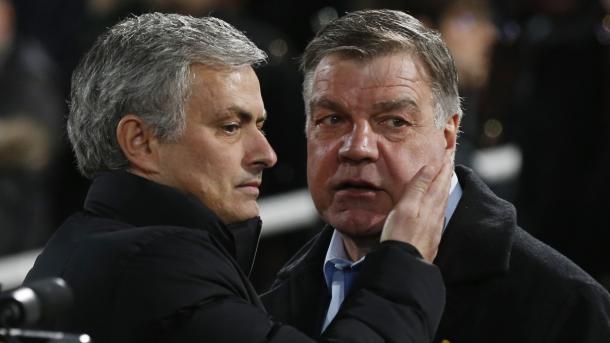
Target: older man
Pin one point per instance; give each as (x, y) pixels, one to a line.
(381, 101)
(166, 117)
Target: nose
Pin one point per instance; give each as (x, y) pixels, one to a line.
(359, 144)
(261, 152)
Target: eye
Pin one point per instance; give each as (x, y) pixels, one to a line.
(260, 128)
(230, 128)
(329, 120)
(394, 122)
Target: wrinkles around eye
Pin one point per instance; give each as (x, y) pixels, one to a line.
(329, 120)
(394, 122)
(231, 128)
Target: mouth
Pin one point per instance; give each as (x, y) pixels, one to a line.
(250, 187)
(357, 185)
(254, 183)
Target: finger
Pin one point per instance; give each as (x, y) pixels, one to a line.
(418, 186)
(407, 208)
(434, 202)
(439, 188)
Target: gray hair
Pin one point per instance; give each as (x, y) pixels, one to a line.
(142, 66)
(371, 33)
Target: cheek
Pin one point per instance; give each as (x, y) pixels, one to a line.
(315, 175)
(404, 161)
(211, 176)
(321, 160)
(321, 166)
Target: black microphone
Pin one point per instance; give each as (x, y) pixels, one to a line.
(35, 303)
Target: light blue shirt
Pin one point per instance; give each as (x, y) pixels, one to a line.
(336, 259)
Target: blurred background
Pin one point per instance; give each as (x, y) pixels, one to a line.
(534, 75)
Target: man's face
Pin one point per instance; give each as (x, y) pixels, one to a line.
(221, 155)
(371, 128)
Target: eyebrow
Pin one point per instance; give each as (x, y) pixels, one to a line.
(395, 105)
(326, 103)
(379, 107)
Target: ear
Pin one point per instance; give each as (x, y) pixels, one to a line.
(451, 132)
(139, 144)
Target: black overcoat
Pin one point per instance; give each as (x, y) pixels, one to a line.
(502, 284)
(149, 264)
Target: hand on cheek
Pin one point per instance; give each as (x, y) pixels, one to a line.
(418, 216)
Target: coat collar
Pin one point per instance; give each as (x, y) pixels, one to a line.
(478, 239)
(305, 278)
(128, 198)
(310, 256)
(476, 243)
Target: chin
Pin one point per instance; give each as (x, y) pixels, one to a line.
(239, 215)
(357, 224)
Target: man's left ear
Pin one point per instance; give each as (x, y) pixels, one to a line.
(451, 130)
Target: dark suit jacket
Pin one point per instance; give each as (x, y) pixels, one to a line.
(149, 264)
(502, 284)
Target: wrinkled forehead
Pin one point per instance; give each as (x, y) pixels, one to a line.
(340, 72)
(386, 64)
(216, 91)
(381, 84)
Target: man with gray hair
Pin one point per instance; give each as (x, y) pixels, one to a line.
(381, 101)
(166, 117)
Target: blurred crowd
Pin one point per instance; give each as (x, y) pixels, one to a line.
(534, 77)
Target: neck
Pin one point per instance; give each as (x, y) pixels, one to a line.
(358, 247)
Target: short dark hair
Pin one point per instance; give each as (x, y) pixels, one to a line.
(370, 33)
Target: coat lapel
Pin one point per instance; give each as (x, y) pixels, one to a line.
(299, 295)
(475, 247)
(479, 236)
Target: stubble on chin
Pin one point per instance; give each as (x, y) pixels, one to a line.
(357, 225)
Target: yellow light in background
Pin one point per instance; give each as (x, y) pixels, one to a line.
(278, 48)
(606, 23)
(493, 128)
(324, 16)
